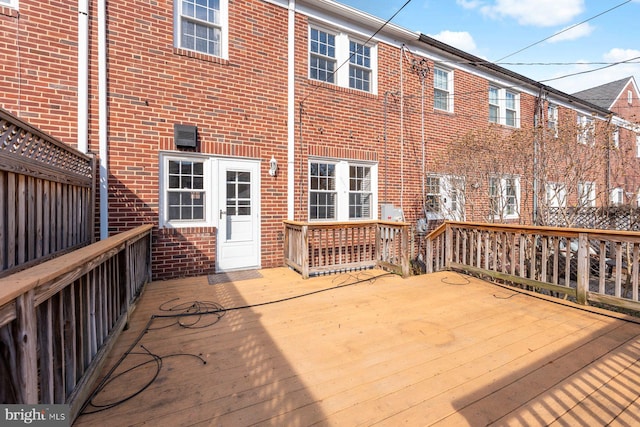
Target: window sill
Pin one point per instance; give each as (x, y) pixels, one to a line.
(200, 56)
(342, 89)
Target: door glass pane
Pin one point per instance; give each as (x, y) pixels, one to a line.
(238, 193)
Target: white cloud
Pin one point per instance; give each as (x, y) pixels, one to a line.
(599, 77)
(470, 4)
(459, 39)
(574, 33)
(540, 13)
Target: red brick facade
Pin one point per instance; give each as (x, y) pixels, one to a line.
(240, 108)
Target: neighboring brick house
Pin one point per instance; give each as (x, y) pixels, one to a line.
(622, 98)
(218, 120)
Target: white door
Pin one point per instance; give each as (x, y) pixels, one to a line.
(238, 215)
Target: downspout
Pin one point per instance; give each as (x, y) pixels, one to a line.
(401, 132)
(83, 72)
(102, 119)
(291, 111)
(537, 120)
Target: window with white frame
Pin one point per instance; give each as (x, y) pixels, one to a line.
(184, 191)
(556, 195)
(552, 119)
(617, 196)
(10, 3)
(587, 194)
(504, 107)
(328, 50)
(637, 145)
(359, 192)
(586, 129)
(442, 89)
(359, 66)
(504, 197)
(445, 196)
(629, 97)
(616, 137)
(201, 26)
(341, 190)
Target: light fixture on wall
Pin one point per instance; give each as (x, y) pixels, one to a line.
(273, 166)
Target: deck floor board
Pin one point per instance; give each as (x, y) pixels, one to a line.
(439, 349)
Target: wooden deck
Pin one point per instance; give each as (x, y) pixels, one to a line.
(438, 349)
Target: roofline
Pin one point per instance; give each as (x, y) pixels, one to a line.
(491, 67)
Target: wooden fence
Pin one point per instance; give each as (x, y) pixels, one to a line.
(316, 248)
(46, 196)
(585, 265)
(60, 318)
(600, 218)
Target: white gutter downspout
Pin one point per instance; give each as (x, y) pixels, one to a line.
(83, 72)
(291, 110)
(102, 118)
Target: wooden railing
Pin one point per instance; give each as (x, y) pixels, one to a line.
(59, 319)
(585, 265)
(315, 248)
(46, 196)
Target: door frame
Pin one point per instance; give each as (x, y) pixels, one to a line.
(219, 204)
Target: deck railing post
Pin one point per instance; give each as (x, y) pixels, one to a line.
(405, 256)
(582, 286)
(27, 349)
(448, 247)
(305, 252)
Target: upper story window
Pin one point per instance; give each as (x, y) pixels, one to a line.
(201, 26)
(586, 129)
(504, 107)
(629, 97)
(339, 59)
(552, 119)
(504, 197)
(341, 190)
(442, 89)
(638, 146)
(616, 137)
(359, 66)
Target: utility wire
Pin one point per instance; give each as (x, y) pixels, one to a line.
(590, 71)
(565, 30)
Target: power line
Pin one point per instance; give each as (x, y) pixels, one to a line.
(565, 30)
(590, 71)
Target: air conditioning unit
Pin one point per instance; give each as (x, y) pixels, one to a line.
(185, 135)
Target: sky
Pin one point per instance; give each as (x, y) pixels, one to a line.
(496, 29)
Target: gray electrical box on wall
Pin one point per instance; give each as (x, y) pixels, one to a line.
(185, 135)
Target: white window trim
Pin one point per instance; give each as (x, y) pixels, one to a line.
(616, 137)
(224, 26)
(208, 166)
(446, 191)
(552, 119)
(629, 97)
(450, 89)
(587, 199)
(556, 195)
(502, 106)
(9, 3)
(342, 189)
(503, 197)
(341, 76)
(617, 196)
(586, 127)
(637, 145)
